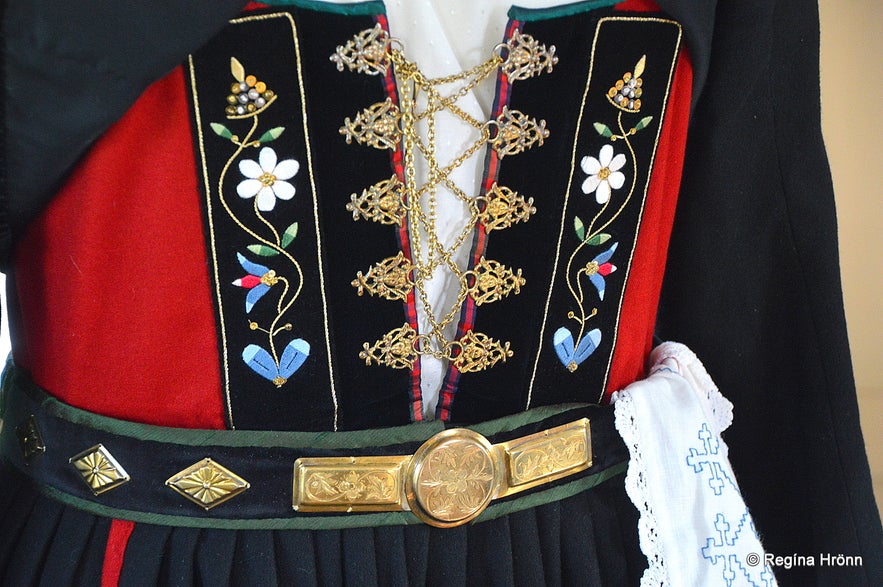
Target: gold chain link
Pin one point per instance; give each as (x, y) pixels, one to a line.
(385, 126)
(422, 220)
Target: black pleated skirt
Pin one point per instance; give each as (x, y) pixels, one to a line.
(587, 539)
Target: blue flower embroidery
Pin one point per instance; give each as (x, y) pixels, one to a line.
(599, 268)
(570, 355)
(262, 363)
(259, 281)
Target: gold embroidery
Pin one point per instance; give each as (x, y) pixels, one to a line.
(389, 279)
(604, 177)
(573, 164)
(377, 126)
(503, 208)
(248, 95)
(207, 483)
(366, 52)
(382, 202)
(100, 471)
(396, 349)
(491, 281)
(626, 93)
(297, 73)
(266, 181)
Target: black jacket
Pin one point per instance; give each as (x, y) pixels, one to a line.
(752, 283)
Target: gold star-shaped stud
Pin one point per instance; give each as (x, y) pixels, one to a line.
(100, 471)
(207, 483)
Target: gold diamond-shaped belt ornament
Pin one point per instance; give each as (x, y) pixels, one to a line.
(207, 483)
(99, 470)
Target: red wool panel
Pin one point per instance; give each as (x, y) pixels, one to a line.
(642, 291)
(638, 6)
(115, 551)
(113, 277)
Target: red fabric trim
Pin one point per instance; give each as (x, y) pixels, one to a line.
(114, 553)
(113, 281)
(254, 6)
(397, 160)
(479, 243)
(642, 291)
(638, 6)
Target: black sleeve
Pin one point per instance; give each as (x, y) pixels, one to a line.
(70, 70)
(753, 286)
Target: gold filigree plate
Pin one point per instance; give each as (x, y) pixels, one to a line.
(99, 470)
(399, 349)
(396, 349)
(389, 279)
(399, 200)
(383, 202)
(348, 484)
(491, 281)
(517, 132)
(377, 126)
(526, 58)
(448, 481)
(367, 52)
(480, 352)
(207, 483)
(503, 207)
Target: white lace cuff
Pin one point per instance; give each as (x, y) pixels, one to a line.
(694, 527)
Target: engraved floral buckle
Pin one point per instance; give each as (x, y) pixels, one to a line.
(451, 478)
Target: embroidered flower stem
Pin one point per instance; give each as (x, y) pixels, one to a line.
(625, 137)
(275, 243)
(574, 281)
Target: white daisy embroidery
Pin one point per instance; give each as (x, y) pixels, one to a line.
(266, 179)
(603, 173)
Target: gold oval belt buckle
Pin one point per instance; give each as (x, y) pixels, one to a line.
(452, 478)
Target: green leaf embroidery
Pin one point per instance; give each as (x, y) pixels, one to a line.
(603, 129)
(237, 70)
(599, 239)
(289, 235)
(221, 130)
(579, 227)
(272, 134)
(643, 122)
(263, 250)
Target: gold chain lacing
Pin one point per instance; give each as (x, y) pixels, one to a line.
(385, 126)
